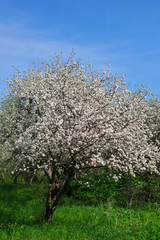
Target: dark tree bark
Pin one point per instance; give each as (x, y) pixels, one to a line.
(15, 178)
(2, 177)
(56, 191)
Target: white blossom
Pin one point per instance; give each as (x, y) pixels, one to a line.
(73, 116)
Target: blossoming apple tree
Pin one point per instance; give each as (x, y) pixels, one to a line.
(73, 118)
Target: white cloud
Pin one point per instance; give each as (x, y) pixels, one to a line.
(20, 46)
(19, 41)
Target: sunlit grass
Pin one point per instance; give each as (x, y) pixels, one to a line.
(22, 209)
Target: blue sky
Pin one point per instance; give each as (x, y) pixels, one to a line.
(125, 33)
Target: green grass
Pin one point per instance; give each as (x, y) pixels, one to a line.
(22, 209)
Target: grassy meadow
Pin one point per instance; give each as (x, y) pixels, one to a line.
(22, 209)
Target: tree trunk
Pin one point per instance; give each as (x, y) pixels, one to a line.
(49, 213)
(2, 176)
(55, 193)
(51, 204)
(15, 179)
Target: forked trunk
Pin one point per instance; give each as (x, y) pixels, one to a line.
(50, 211)
(55, 193)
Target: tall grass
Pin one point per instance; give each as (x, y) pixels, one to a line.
(22, 209)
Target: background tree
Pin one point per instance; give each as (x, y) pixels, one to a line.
(15, 116)
(79, 119)
(153, 120)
